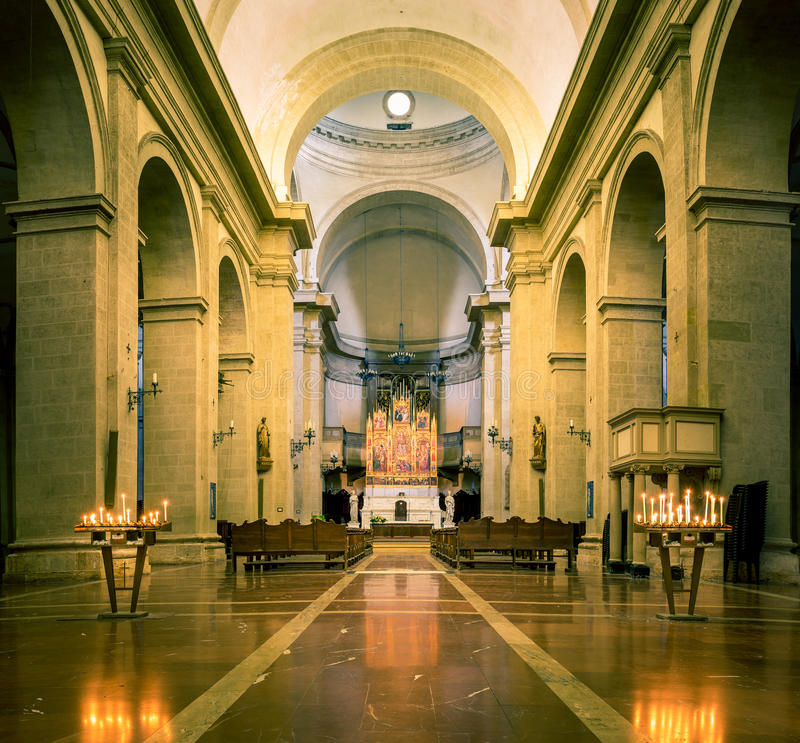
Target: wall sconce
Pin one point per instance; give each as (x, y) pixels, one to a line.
(219, 436)
(584, 436)
(466, 463)
(136, 396)
(331, 465)
(222, 382)
(296, 447)
(505, 444)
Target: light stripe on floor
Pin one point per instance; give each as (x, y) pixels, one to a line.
(195, 719)
(604, 721)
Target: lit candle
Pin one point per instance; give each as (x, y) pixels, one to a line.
(101, 514)
(128, 516)
(721, 512)
(165, 511)
(92, 519)
(644, 506)
(84, 519)
(652, 510)
(688, 507)
(680, 514)
(231, 424)
(571, 423)
(670, 508)
(639, 518)
(123, 503)
(697, 520)
(713, 510)
(155, 377)
(705, 516)
(662, 502)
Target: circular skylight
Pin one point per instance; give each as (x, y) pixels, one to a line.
(398, 104)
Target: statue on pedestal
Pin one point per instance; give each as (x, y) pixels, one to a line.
(450, 508)
(539, 433)
(353, 508)
(263, 459)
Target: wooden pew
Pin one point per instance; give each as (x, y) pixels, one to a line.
(247, 539)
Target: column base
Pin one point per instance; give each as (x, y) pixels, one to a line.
(177, 550)
(615, 567)
(66, 559)
(638, 570)
(590, 553)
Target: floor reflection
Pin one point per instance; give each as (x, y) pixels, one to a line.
(676, 722)
(105, 721)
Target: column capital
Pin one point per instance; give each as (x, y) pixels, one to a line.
(667, 49)
(640, 469)
(276, 266)
(124, 58)
(89, 211)
(614, 475)
(739, 205)
(673, 469)
(172, 309)
(630, 308)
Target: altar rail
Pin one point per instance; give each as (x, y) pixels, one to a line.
(515, 542)
(268, 545)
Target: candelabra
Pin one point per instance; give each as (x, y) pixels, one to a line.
(219, 436)
(584, 436)
(468, 464)
(296, 447)
(505, 444)
(330, 465)
(136, 396)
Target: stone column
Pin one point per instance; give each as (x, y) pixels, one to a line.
(630, 504)
(236, 475)
(615, 523)
(271, 391)
(566, 455)
(491, 310)
(61, 385)
(744, 251)
(674, 481)
(312, 309)
(639, 568)
(529, 283)
(670, 63)
(126, 79)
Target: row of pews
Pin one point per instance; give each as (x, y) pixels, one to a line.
(324, 543)
(515, 542)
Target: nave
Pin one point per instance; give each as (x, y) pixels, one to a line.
(399, 649)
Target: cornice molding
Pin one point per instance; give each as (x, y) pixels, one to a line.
(668, 49)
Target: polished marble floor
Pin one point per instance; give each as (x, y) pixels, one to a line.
(401, 649)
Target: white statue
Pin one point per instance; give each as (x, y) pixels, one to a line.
(353, 507)
(450, 508)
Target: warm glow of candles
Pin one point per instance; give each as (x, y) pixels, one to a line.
(92, 518)
(644, 506)
(680, 514)
(128, 516)
(101, 514)
(84, 519)
(165, 510)
(639, 518)
(662, 500)
(721, 512)
(705, 517)
(652, 510)
(670, 508)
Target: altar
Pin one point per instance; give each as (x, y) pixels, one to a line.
(401, 478)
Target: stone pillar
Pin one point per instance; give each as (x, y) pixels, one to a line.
(176, 431)
(491, 310)
(126, 79)
(615, 523)
(670, 63)
(744, 251)
(639, 568)
(566, 455)
(674, 482)
(236, 474)
(312, 309)
(271, 391)
(630, 504)
(529, 283)
(62, 373)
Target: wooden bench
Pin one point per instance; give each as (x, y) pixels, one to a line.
(515, 543)
(267, 545)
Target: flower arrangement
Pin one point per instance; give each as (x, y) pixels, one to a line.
(377, 519)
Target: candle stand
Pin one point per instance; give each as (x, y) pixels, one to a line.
(124, 535)
(699, 538)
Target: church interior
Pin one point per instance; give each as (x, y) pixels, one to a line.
(410, 371)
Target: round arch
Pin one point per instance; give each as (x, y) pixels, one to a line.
(61, 140)
(427, 61)
(459, 210)
(570, 300)
(167, 209)
(233, 302)
(747, 38)
(641, 163)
